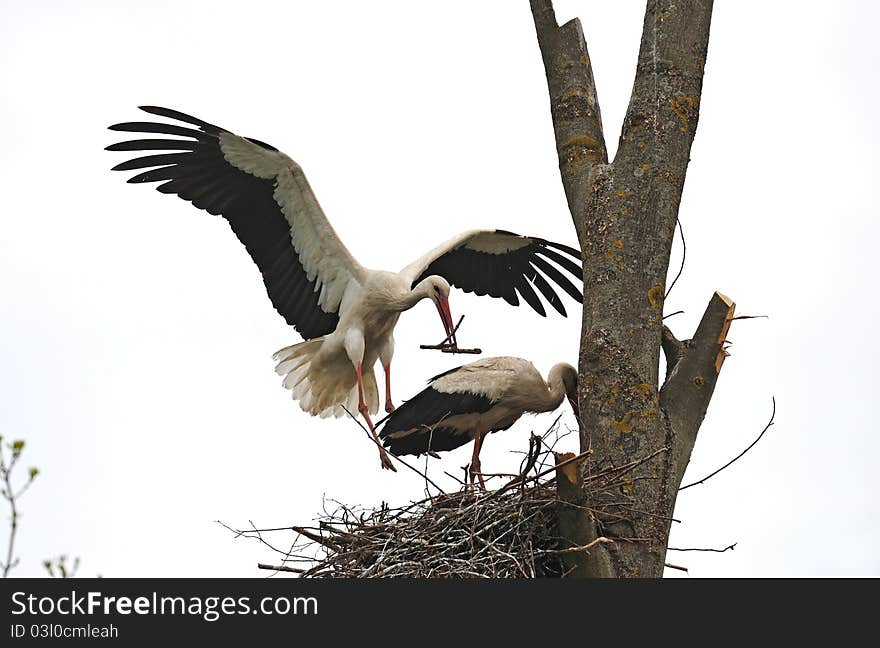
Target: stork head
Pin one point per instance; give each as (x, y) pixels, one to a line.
(567, 376)
(437, 290)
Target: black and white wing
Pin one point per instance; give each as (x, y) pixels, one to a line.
(429, 422)
(442, 416)
(501, 264)
(269, 205)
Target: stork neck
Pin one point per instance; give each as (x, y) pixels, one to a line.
(555, 392)
(411, 298)
(556, 383)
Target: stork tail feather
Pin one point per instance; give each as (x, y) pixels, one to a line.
(325, 384)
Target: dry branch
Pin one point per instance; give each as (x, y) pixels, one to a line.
(678, 567)
(727, 548)
(749, 447)
(280, 568)
(448, 346)
(692, 372)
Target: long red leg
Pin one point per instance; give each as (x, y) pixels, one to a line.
(475, 460)
(365, 412)
(389, 406)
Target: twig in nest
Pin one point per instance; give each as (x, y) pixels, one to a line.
(522, 479)
(751, 445)
(462, 534)
(586, 547)
(246, 533)
(534, 452)
(281, 568)
(678, 567)
(447, 346)
(449, 474)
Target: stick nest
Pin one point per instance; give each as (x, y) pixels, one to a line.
(459, 535)
(511, 532)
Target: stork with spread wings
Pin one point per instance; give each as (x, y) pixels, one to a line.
(345, 313)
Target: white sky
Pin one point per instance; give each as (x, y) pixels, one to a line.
(136, 337)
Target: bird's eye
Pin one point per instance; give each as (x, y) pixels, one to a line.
(437, 289)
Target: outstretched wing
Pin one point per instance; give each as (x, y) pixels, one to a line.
(501, 264)
(269, 205)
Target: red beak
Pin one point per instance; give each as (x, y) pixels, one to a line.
(446, 318)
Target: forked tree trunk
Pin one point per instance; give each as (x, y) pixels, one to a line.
(625, 213)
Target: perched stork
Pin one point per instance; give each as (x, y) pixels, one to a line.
(470, 401)
(345, 312)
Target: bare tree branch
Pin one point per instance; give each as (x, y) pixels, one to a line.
(281, 568)
(683, 257)
(577, 122)
(678, 567)
(691, 382)
(750, 446)
(727, 548)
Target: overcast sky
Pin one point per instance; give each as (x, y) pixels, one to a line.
(136, 336)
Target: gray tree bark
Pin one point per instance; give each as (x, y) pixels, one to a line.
(625, 213)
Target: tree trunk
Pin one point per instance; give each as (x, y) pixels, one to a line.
(625, 213)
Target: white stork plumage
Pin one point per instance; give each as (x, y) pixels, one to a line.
(345, 312)
(471, 401)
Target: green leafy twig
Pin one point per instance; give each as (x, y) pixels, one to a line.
(11, 495)
(58, 568)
